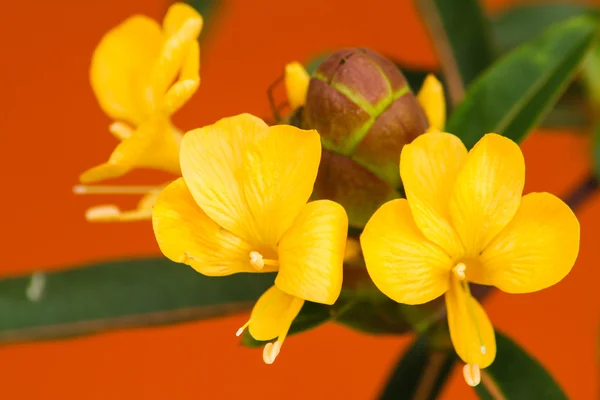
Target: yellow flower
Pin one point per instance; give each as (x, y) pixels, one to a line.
(241, 206)
(296, 80)
(142, 74)
(464, 220)
(432, 100)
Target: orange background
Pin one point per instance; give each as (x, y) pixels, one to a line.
(52, 129)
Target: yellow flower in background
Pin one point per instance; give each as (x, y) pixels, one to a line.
(241, 206)
(464, 220)
(141, 74)
(296, 80)
(432, 100)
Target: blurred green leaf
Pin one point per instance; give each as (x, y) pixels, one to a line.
(519, 24)
(116, 295)
(461, 34)
(206, 8)
(596, 150)
(420, 373)
(517, 91)
(515, 375)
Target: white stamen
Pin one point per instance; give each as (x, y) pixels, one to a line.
(121, 130)
(459, 271)
(472, 374)
(100, 213)
(36, 286)
(256, 260)
(239, 331)
(483, 349)
(101, 189)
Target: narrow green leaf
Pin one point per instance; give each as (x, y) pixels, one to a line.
(519, 24)
(516, 375)
(517, 91)
(461, 34)
(420, 373)
(596, 151)
(116, 295)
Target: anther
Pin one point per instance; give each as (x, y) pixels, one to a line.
(256, 260)
(243, 328)
(472, 374)
(120, 130)
(459, 271)
(271, 351)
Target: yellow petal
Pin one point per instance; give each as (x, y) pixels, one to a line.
(273, 314)
(536, 250)
(431, 98)
(402, 263)
(212, 163)
(178, 95)
(121, 66)
(471, 331)
(249, 178)
(177, 15)
(487, 191)
(311, 253)
(190, 70)
(187, 235)
(296, 81)
(428, 167)
(279, 175)
(104, 171)
(155, 144)
(182, 27)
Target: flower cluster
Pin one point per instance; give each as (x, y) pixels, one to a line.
(141, 74)
(243, 203)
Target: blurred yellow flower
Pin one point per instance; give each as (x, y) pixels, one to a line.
(296, 80)
(142, 74)
(432, 100)
(464, 220)
(241, 206)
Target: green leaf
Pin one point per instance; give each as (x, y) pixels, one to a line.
(311, 315)
(206, 8)
(514, 374)
(116, 295)
(519, 24)
(517, 91)
(420, 373)
(461, 34)
(596, 150)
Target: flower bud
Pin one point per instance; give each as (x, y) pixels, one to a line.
(364, 110)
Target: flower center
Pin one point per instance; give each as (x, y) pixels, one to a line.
(459, 271)
(258, 262)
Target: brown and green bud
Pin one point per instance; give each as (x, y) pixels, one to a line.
(364, 110)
